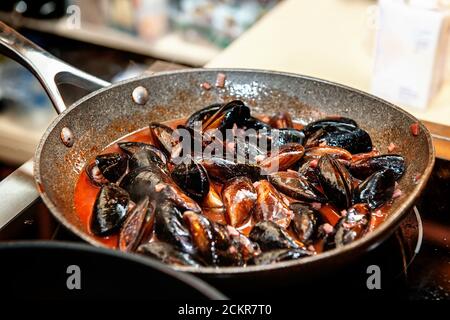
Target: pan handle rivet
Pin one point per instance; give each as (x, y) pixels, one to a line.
(140, 95)
(67, 137)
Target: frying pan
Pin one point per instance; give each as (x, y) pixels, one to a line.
(115, 110)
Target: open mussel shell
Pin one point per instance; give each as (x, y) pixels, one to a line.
(110, 210)
(353, 225)
(202, 235)
(142, 154)
(336, 182)
(112, 165)
(224, 170)
(232, 113)
(166, 139)
(138, 226)
(377, 189)
(192, 178)
(202, 115)
(168, 254)
(271, 205)
(169, 227)
(296, 186)
(280, 255)
(269, 236)
(363, 168)
(284, 158)
(239, 198)
(305, 222)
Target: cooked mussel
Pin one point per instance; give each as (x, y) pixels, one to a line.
(335, 181)
(269, 236)
(271, 205)
(330, 124)
(192, 178)
(363, 168)
(305, 222)
(353, 225)
(284, 158)
(153, 182)
(296, 186)
(202, 235)
(280, 255)
(224, 170)
(112, 165)
(138, 226)
(202, 115)
(239, 197)
(110, 210)
(232, 113)
(142, 154)
(377, 189)
(356, 141)
(168, 254)
(169, 226)
(166, 139)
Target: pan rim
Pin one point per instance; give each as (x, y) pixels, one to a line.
(367, 242)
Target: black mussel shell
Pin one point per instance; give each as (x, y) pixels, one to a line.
(192, 178)
(365, 167)
(356, 141)
(330, 125)
(202, 115)
(169, 227)
(306, 222)
(168, 254)
(296, 186)
(335, 181)
(138, 226)
(234, 112)
(165, 138)
(280, 255)
(142, 154)
(282, 159)
(353, 225)
(377, 189)
(140, 183)
(269, 235)
(255, 124)
(280, 137)
(110, 210)
(224, 170)
(202, 235)
(112, 165)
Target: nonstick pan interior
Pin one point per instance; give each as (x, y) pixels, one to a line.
(102, 117)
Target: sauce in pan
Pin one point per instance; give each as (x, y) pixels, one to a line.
(86, 193)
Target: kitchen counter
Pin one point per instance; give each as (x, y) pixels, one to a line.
(328, 39)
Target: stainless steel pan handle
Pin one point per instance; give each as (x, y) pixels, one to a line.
(18, 190)
(48, 69)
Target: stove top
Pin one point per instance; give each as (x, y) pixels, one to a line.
(414, 262)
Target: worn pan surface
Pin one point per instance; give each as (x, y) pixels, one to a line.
(107, 114)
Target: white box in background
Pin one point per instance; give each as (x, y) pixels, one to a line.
(410, 52)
